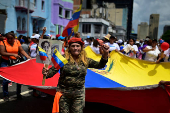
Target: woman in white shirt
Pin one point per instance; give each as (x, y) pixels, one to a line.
(112, 44)
(152, 52)
(95, 47)
(166, 55)
(131, 49)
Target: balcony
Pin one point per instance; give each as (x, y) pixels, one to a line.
(22, 5)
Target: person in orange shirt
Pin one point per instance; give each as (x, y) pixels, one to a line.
(9, 50)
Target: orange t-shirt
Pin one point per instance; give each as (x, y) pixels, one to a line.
(11, 49)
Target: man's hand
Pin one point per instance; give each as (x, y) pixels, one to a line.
(105, 49)
(162, 82)
(16, 56)
(44, 29)
(72, 30)
(45, 71)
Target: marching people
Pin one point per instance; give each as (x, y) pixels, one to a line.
(96, 47)
(131, 49)
(112, 44)
(9, 50)
(152, 52)
(72, 75)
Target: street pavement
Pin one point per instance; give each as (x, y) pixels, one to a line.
(30, 104)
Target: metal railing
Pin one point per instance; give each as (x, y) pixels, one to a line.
(24, 3)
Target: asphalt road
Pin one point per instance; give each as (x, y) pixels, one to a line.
(30, 104)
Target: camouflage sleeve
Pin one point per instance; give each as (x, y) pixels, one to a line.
(94, 64)
(52, 72)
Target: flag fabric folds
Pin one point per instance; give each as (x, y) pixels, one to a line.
(127, 83)
(73, 23)
(42, 53)
(58, 60)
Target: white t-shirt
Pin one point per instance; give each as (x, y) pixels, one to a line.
(33, 50)
(152, 55)
(130, 49)
(113, 46)
(95, 49)
(167, 53)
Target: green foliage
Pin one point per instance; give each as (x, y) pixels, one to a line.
(166, 36)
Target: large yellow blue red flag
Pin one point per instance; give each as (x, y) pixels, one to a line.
(73, 23)
(58, 60)
(42, 53)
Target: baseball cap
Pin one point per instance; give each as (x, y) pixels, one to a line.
(120, 41)
(147, 39)
(61, 38)
(22, 40)
(88, 36)
(37, 36)
(137, 42)
(161, 41)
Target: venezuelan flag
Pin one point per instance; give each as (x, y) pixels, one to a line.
(73, 23)
(42, 53)
(58, 60)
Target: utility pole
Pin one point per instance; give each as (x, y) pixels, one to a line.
(28, 9)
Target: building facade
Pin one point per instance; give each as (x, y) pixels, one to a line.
(153, 26)
(166, 28)
(17, 16)
(143, 30)
(61, 12)
(94, 27)
(118, 12)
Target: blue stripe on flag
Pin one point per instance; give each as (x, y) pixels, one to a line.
(75, 16)
(42, 54)
(69, 31)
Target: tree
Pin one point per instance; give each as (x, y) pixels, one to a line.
(166, 36)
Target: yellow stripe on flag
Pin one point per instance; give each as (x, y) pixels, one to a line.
(132, 72)
(40, 49)
(60, 57)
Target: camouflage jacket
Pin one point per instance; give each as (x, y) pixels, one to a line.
(73, 76)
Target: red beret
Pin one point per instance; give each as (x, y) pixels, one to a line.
(57, 35)
(75, 40)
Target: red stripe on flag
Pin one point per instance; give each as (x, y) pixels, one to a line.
(56, 65)
(43, 58)
(71, 24)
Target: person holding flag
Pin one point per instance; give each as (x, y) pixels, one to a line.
(72, 75)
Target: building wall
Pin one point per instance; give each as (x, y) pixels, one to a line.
(124, 18)
(43, 16)
(11, 14)
(93, 22)
(143, 30)
(166, 28)
(153, 26)
(61, 21)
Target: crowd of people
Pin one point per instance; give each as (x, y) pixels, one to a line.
(146, 49)
(72, 76)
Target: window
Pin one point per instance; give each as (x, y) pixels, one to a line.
(105, 30)
(19, 23)
(23, 24)
(67, 14)
(42, 5)
(60, 11)
(35, 3)
(86, 28)
(58, 29)
(97, 28)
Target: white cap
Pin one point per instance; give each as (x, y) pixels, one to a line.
(137, 42)
(37, 36)
(119, 41)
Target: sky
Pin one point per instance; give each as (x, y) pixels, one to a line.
(142, 9)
